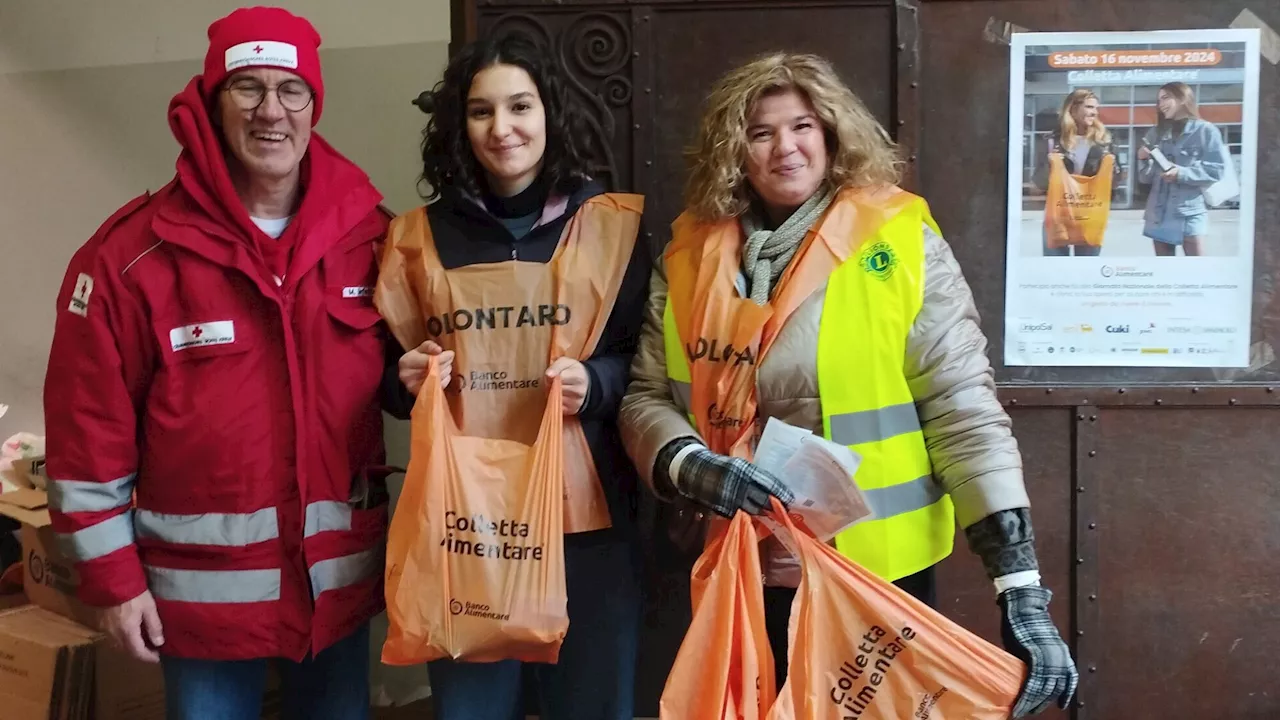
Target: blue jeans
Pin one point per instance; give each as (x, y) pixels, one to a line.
(595, 676)
(333, 685)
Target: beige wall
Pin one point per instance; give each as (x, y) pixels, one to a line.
(83, 91)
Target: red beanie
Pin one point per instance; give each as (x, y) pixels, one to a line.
(263, 37)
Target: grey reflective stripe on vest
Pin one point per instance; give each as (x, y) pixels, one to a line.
(874, 425)
(904, 497)
(682, 392)
(213, 586)
(327, 515)
(220, 529)
(343, 571)
(72, 496)
(100, 539)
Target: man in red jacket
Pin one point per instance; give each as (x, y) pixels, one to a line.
(213, 430)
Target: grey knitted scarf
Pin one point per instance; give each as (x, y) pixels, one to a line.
(768, 252)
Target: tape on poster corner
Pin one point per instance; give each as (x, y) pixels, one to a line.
(1270, 45)
(1261, 354)
(998, 31)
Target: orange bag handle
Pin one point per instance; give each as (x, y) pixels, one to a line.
(788, 528)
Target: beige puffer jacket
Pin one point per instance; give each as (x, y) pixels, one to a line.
(967, 432)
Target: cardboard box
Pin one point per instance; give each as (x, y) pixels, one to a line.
(46, 666)
(30, 471)
(125, 688)
(49, 578)
(28, 506)
(54, 669)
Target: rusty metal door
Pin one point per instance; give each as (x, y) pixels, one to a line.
(1155, 492)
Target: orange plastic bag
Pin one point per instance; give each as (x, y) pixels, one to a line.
(862, 648)
(724, 669)
(1077, 206)
(475, 553)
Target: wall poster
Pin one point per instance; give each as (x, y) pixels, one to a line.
(1132, 165)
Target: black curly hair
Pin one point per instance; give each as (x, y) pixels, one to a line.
(447, 158)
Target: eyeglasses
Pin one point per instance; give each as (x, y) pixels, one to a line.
(294, 95)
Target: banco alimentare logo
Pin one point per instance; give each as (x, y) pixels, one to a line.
(476, 610)
(496, 380)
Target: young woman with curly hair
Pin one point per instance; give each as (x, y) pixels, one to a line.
(802, 284)
(1083, 141)
(514, 231)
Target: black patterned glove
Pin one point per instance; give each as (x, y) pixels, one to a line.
(722, 484)
(1030, 635)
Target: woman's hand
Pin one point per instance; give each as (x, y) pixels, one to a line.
(1172, 174)
(413, 366)
(574, 383)
(1144, 153)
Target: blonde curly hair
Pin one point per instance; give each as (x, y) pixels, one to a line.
(860, 151)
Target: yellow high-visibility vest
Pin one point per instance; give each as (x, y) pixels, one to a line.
(872, 300)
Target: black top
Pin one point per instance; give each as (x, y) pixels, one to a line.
(1092, 162)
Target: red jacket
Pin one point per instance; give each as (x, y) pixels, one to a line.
(208, 427)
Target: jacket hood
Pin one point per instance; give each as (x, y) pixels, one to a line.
(326, 176)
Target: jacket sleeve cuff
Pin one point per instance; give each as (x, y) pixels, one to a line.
(608, 376)
(1026, 578)
(665, 482)
(113, 579)
(395, 398)
(593, 391)
(988, 494)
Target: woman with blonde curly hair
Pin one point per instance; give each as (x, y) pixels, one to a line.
(1083, 141)
(802, 284)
